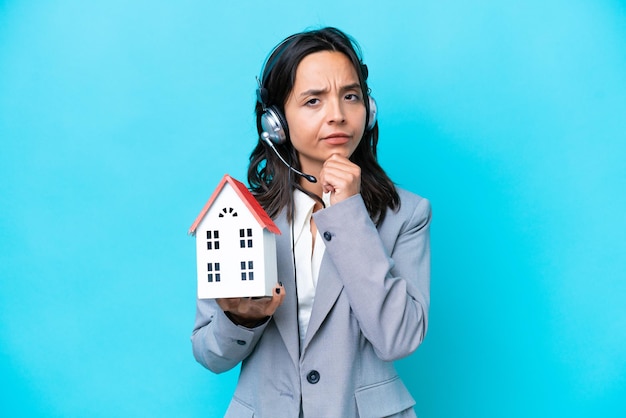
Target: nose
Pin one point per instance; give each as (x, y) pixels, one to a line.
(336, 112)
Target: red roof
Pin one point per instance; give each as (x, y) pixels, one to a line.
(244, 194)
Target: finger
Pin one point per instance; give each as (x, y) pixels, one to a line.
(342, 184)
(340, 167)
(337, 158)
(327, 187)
(345, 171)
(277, 299)
(245, 306)
(339, 162)
(228, 304)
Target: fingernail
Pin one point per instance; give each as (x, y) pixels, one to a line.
(278, 290)
(281, 284)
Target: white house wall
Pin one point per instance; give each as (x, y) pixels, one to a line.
(230, 254)
(271, 270)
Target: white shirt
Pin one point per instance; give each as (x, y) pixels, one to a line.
(308, 258)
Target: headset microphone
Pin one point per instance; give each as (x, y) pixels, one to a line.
(266, 137)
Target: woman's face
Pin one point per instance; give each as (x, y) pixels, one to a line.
(325, 110)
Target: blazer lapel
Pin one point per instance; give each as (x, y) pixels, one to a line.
(328, 288)
(286, 315)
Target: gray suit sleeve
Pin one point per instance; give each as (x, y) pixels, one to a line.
(385, 271)
(218, 344)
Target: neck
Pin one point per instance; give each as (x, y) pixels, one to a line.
(314, 188)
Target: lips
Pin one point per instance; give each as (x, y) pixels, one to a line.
(338, 138)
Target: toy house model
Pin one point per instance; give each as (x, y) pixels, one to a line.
(235, 244)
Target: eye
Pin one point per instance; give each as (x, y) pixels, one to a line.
(312, 102)
(353, 97)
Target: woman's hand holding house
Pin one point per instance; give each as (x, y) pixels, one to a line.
(252, 312)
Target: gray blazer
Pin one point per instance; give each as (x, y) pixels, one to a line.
(371, 308)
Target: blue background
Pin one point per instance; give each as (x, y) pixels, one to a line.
(118, 119)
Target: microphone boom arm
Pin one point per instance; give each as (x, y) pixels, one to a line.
(266, 138)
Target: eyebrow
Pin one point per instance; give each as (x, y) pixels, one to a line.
(317, 92)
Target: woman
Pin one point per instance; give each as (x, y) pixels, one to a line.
(353, 259)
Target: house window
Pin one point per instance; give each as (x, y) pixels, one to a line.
(212, 240)
(213, 271)
(227, 211)
(247, 272)
(243, 234)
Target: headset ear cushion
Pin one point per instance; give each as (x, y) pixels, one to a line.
(373, 114)
(274, 123)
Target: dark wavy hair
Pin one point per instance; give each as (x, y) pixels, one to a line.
(270, 180)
